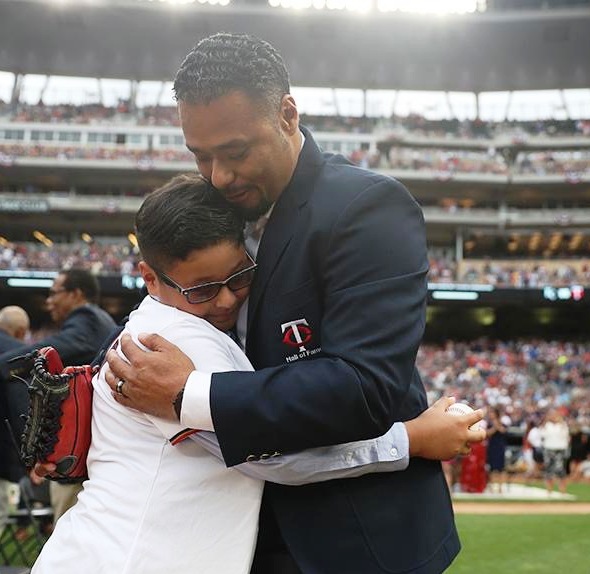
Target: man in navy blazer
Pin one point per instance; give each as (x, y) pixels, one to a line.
(83, 325)
(334, 321)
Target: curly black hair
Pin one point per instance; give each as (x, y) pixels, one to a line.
(223, 63)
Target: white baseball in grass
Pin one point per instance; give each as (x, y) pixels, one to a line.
(462, 409)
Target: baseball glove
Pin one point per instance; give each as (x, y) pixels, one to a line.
(57, 424)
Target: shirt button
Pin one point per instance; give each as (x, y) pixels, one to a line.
(264, 456)
(393, 452)
(251, 458)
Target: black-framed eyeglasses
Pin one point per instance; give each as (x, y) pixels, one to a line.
(207, 291)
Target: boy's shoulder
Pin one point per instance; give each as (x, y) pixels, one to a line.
(152, 316)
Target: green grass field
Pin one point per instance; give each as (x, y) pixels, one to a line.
(29, 548)
(517, 544)
(581, 492)
(525, 544)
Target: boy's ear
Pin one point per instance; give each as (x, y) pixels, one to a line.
(150, 278)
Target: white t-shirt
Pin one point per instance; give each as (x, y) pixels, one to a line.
(555, 436)
(149, 507)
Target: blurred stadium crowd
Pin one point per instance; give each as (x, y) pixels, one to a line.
(9, 153)
(397, 150)
(524, 378)
(412, 124)
(100, 258)
(522, 384)
(517, 274)
(120, 257)
(449, 162)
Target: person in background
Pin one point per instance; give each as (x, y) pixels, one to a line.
(82, 328)
(555, 436)
(579, 450)
(533, 449)
(496, 451)
(14, 327)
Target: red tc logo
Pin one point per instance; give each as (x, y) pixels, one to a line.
(296, 333)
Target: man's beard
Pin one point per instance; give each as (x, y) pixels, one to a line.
(254, 213)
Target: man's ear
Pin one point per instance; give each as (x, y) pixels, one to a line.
(78, 297)
(150, 278)
(21, 333)
(289, 115)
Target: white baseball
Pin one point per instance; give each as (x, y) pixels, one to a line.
(463, 409)
(459, 409)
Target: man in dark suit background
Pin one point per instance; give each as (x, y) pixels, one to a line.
(335, 317)
(83, 326)
(14, 325)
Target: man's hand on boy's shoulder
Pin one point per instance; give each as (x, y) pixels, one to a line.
(151, 381)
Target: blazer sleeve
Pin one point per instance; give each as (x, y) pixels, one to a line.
(373, 277)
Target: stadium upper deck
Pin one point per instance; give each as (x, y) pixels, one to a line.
(334, 48)
(481, 184)
(469, 176)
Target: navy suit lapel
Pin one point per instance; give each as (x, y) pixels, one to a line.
(283, 221)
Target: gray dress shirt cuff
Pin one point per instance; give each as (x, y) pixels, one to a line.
(387, 453)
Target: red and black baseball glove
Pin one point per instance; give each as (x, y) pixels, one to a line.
(57, 427)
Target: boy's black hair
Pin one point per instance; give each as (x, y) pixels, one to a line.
(185, 214)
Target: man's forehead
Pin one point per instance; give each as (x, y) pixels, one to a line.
(234, 143)
(227, 109)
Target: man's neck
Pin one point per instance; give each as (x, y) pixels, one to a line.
(76, 307)
(297, 147)
(296, 144)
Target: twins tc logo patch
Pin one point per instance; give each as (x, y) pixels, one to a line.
(298, 334)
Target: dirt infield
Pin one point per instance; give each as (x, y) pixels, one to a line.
(521, 507)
